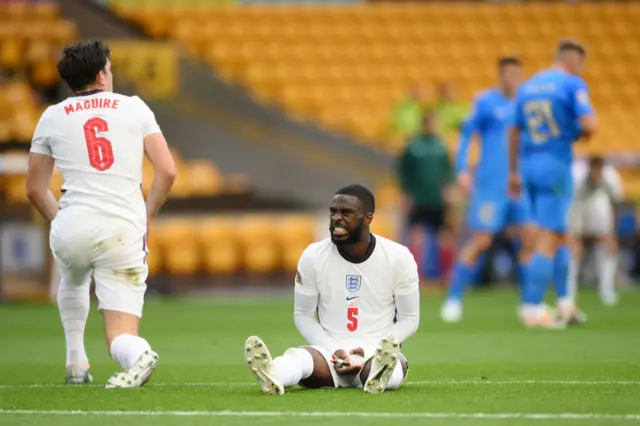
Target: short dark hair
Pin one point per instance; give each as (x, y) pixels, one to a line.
(509, 60)
(365, 196)
(81, 62)
(596, 161)
(570, 45)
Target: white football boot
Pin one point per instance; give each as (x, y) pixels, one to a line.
(384, 362)
(138, 374)
(260, 363)
(451, 311)
(77, 375)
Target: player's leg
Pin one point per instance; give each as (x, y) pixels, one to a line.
(577, 253)
(120, 274)
(73, 298)
(485, 217)
(568, 311)
(386, 369)
(520, 216)
(607, 263)
(550, 210)
(307, 366)
(576, 231)
(601, 224)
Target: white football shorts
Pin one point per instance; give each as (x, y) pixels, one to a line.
(113, 249)
(592, 216)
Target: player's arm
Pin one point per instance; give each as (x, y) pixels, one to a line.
(305, 303)
(407, 298)
(40, 169)
(469, 129)
(515, 131)
(158, 153)
(584, 111)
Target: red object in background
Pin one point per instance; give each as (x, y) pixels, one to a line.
(447, 259)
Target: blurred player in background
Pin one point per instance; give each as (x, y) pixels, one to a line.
(490, 210)
(425, 172)
(97, 140)
(365, 291)
(598, 190)
(553, 111)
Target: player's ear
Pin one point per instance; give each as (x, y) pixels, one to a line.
(368, 218)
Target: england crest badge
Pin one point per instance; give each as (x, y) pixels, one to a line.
(353, 283)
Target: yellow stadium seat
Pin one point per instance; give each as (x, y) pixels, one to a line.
(181, 186)
(296, 232)
(180, 250)
(218, 237)
(204, 178)
(310, 59)
(16, 190)
(259, 249)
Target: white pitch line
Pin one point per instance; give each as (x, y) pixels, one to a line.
(228, 413)
(415, 383)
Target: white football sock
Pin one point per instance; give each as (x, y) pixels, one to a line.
(126, 349)
(294, 365)
(73, 304)
(574, 269)
(397, 377)
(607, 265)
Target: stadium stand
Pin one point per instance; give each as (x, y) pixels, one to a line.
(310, 60)
(341, 66)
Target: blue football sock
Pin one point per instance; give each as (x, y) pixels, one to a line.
(561, 271)
(462, 274)
(539, 273)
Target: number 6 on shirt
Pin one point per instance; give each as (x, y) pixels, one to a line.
(100, 150)
(352, 317)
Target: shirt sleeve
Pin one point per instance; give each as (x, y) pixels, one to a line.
(580, 99)
(305, 282)
(407, 298)
(40, 143)
(147, 118)
(471, 126)
(306, 305)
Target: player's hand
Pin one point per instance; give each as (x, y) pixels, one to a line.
(515, 185)
(465, 181)
(344, 363)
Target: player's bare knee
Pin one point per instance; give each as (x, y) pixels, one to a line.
(547, 243)
(478, 244)
(609, 243)
(321, 376)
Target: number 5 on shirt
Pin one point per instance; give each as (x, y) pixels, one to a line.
(352, 318)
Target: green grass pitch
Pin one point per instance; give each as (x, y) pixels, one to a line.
(487, 370)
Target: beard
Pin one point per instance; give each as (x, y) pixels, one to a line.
(352, 238)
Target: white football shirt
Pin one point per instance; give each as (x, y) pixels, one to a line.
(97, 142)
(356, 301)
(611, 184)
